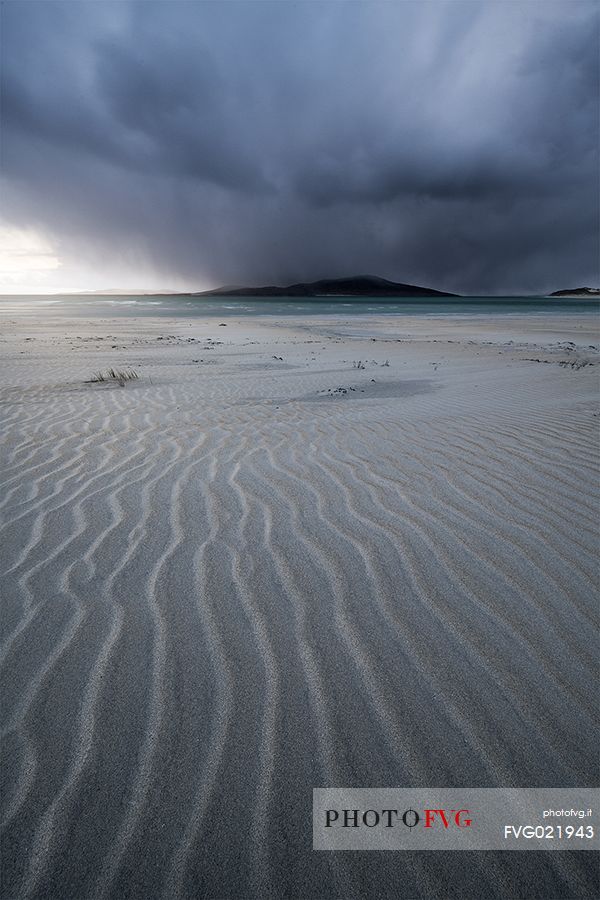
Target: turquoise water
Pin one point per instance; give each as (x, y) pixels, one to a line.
(187, 306)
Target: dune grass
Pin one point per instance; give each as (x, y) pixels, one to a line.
(120, 376)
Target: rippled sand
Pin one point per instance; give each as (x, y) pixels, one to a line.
(240, 577)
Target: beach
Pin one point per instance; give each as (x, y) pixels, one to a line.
(292, 553)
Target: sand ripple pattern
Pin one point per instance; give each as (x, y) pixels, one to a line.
(212, 606)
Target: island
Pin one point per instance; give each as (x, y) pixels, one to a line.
(355, 286)
(577, 292)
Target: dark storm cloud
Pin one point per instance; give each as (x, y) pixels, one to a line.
(453, 144)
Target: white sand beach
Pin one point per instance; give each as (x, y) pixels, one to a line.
(292, 553)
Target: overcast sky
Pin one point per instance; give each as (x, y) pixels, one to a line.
(451, 144)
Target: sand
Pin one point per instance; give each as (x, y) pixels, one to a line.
(262, 567)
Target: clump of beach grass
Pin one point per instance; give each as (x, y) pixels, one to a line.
(120, 376)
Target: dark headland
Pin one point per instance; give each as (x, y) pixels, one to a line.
(356, 286)
(577, 292)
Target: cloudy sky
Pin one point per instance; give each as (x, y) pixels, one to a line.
(187, 145)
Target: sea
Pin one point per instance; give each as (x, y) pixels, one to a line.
(189, 306)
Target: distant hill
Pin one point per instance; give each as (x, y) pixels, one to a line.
(577, 292)
(357, 286)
